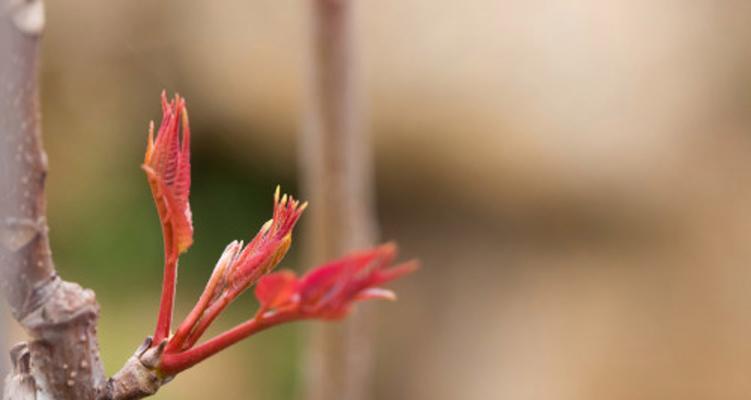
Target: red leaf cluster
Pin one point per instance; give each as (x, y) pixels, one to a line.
(326, 292)
(329, 291)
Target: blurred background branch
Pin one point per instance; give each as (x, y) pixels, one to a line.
(336, 163)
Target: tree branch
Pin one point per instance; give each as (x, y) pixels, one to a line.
(62, 359)
(24, 166)
(337, 178)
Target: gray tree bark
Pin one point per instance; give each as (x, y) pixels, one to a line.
(61, 361)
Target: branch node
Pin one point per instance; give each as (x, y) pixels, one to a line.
(20, 357)
(138, 377)
(20, 384)
(143, 347)
(56, 303)
(150, 357)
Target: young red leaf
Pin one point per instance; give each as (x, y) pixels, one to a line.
(167, 166)
(276, 290)
(329, 291)
(376, 293)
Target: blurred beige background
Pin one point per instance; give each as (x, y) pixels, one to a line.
(575, 176)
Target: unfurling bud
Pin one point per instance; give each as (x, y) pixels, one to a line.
(167, 166)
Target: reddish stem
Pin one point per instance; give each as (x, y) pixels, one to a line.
(166, 304)
(189, 323)
(209, 315)
(174, 363)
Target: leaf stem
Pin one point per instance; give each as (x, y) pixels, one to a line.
(173, 363)
(166, 304)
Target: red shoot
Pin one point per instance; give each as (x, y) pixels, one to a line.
(239, 269)
(327, 292)
(167, 166)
